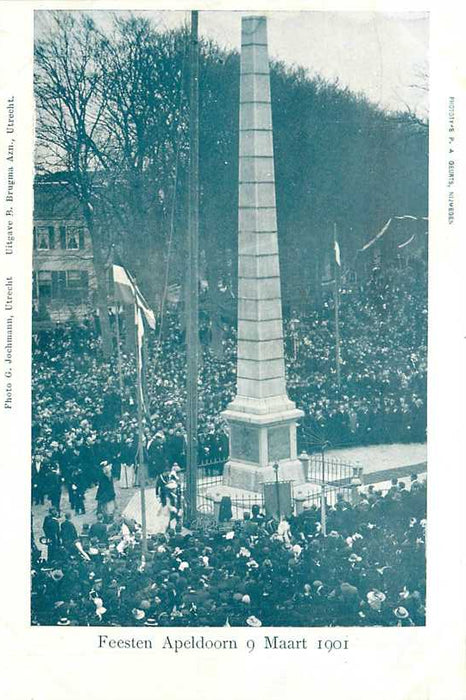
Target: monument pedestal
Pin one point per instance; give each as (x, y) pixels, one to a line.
(259, 439)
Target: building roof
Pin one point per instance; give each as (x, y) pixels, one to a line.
(55, 200)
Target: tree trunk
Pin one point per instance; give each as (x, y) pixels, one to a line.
(102, 306)
(101, 291)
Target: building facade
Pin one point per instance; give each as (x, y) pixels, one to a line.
(64, 280)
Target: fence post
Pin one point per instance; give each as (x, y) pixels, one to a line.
(355, 484)
(217, 498)
(305, 461)
(299, 500)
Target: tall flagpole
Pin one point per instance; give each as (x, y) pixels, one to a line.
(141, 463)
(117, 331)
(192, 291)
(337, 306)
(117, 328)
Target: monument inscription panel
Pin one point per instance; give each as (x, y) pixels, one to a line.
(278, 443)
(244, 443)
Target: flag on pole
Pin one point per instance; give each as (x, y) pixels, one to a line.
(127, 291)
(139, 323)
(337, 253)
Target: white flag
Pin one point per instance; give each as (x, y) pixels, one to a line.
(337, 254)
(127, 291)
(138, 320)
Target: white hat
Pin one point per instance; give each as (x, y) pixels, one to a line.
(253, 621)
(375, 599)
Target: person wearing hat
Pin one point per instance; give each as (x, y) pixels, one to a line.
(156, 455)
(54, 484)
(402, 617)
(128, 458)
(225, 512)
(68, 533)
(256, 515)
(105, 495)
(161, 490)
(38, 480)
(51, 528)
(77, 490)
(98, 530)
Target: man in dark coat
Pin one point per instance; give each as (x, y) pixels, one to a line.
(99, 529)
(54, 483)
(78, 490)
(105, 495)
(38, 481)
(51, 528)
(68, 533)
(156, 454)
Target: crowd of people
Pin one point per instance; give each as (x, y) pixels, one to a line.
(382, 396)
(368, 570)
(81, 415)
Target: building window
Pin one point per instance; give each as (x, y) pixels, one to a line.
(69, 285)
(76, 279)
(71, 237)
(44, 237)
(76, 285)
(44, 284)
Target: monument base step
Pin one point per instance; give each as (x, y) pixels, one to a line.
(250, 477)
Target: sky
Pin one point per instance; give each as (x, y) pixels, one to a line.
(382, 55)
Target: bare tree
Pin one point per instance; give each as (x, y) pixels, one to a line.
(69, 131)
(145, 118)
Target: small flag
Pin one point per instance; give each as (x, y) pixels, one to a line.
(377, 236)
(402, 245)
(127, 291)
(385, 227)
(337, 254)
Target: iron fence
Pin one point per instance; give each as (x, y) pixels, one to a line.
(206, 498)
(335, 473)
(331, 470)
(314, 498)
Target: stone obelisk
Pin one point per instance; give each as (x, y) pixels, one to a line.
(261, 418)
